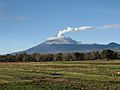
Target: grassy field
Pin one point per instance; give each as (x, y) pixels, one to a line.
(60, 75)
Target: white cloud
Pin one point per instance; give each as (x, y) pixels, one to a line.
(70, 29)
(18, 17)
(5, 15)
(82, 28)
(115, 25)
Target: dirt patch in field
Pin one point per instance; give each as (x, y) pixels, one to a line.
(54, 79)
(28, 63)
(44, 79)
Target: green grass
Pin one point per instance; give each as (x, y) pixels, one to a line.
(60, 75)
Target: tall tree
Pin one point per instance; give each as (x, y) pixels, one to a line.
(108, 54)
(59, 57)
(79, 56)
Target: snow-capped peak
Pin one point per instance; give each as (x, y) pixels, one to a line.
(60, 40)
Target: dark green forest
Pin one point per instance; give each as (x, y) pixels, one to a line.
(75, 56)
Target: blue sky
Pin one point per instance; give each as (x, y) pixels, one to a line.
(26, 23)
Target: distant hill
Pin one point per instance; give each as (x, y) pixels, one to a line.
(66, 44)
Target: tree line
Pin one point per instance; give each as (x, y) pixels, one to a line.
(75, 56)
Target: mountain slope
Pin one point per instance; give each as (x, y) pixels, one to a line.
(63, 44)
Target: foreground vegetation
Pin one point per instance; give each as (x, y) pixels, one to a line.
(75, 56)
(60, 75)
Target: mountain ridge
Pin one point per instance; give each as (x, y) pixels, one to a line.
(66, 44)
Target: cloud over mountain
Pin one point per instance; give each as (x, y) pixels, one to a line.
(82, 28)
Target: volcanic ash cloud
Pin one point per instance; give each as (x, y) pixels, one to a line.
(70, 29)
(82, 28)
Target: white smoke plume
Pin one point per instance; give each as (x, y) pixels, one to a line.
(70, 29)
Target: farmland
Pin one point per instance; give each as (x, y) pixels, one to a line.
(60, 75)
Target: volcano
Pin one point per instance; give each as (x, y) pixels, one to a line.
(66, 44)
(60, 40)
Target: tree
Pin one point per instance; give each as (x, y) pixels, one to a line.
(59, 57)
(49, 57)
(108, 54)
(36, 57)
(79, 56)
(69, 57)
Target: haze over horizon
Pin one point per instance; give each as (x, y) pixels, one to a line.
(26, 23)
